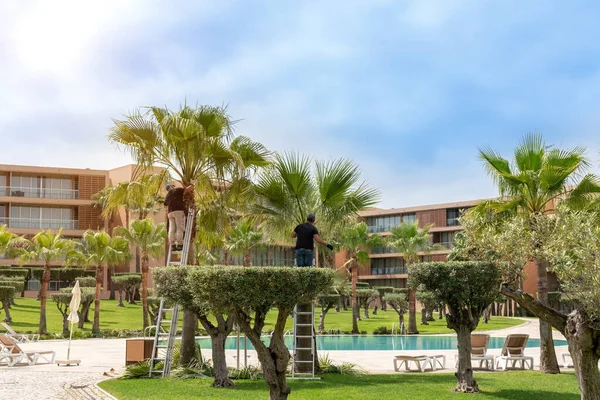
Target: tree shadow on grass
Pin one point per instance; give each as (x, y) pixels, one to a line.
(524, 394)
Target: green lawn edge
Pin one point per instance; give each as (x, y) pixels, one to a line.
(511, 385)
(26, 314)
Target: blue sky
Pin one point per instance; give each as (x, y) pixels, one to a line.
(408, 89)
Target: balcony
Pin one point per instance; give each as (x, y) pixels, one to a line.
(40, 193)
(37, 223)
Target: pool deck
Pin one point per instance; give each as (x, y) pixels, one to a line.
(99, 356)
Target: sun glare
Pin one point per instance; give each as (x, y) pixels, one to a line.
(55, 35)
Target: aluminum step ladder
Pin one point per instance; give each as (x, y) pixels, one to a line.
(162, 351)
(295, 348)
(183, 254)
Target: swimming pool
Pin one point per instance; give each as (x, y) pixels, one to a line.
(378, 342)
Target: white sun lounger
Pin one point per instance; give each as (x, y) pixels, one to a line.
(12, 354)
(20, 337)
(422, 362)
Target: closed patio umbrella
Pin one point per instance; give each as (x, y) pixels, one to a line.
(73, 318)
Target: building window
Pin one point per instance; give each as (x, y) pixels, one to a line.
(41, 187)
(383, 224)
(387, 266)
(452, 215)
(41, 218)
(447, 239)
(409, 218)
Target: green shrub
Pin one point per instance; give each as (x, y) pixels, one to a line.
(329, 367)
(382, 330)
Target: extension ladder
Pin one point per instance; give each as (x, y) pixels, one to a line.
(183, 254)
(161, 351)
(298, 316)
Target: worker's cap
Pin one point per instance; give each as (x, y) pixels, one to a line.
(311, 217)
(169, 186)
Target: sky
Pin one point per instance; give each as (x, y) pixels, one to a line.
(408, 89)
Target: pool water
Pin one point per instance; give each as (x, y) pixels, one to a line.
(378, 342)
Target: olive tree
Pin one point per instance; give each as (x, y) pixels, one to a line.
(129, 283)
(572, 246)
(365, 297)
(467, 288)
(16, 282)
(429, 303)
(326, 301)
(7, 293)
(399, 303)
(174, 284)
(62, 301)
(382, 292)
(248, 294)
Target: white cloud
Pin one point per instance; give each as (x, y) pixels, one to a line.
(63, 80)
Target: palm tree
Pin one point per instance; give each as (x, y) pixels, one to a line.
(140, 196)
(531, 184)
(358, 244)
(46, 246)
(100, 249)
(242, 239)
(289, 190)
(197, 146)
(409, 239)
(6, 239)
(150, 239)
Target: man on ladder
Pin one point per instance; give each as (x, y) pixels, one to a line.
(176, 213)
(306, 234)
(304, 344)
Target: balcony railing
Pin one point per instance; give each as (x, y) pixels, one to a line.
(380, 228)
(37, 223)
(387, 270)
(447, 245)
(40, 193)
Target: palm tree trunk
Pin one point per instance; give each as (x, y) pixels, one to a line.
(548, 361)
(111, 272)
(412, 313)
(355, 315)
(190, 320)
(247, 258)
(43, 297)
(96, 323)
(145, 262)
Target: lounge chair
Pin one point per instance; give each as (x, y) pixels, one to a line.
(13, 354)
(422, 362)
(20, 337)
(479, 348)
(568, 360)
(513, 351)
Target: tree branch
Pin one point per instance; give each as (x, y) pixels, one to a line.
(557, 319)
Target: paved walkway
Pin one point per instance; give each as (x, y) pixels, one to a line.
(105, 358)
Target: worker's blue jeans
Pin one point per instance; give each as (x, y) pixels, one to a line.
(304, 258)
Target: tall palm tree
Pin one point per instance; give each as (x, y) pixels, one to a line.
(290, 189)
(409, 239)
(46, 246)
(242, 239)
(198, 147)
(358, 243)
(150, 239)
(98, 248)
(531, 183)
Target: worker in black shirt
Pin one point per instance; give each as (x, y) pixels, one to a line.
(305, 235)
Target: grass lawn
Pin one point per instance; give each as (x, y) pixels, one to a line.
(512, 385)
(26, 316)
